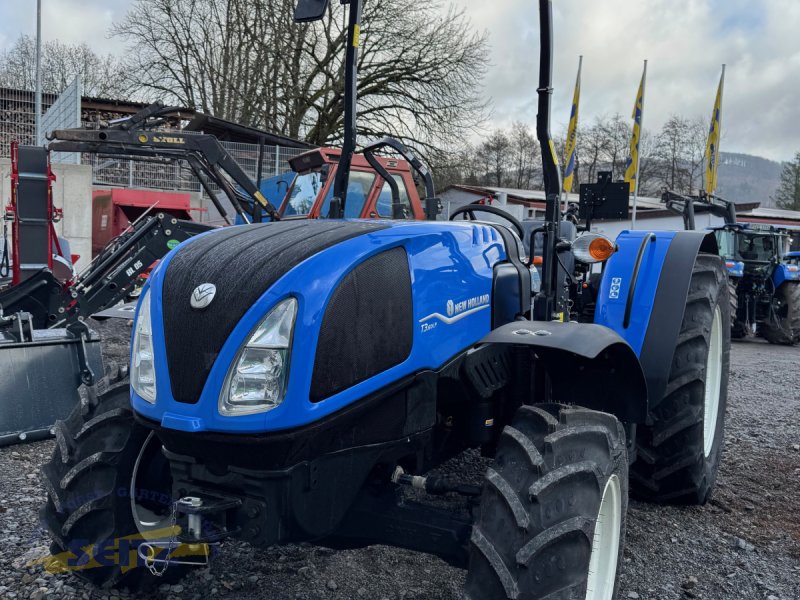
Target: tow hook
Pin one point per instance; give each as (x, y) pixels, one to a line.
(205, 527)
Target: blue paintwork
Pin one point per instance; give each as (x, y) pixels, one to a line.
(448, 261)
(735, 268)
(614, 287)
(784, 273)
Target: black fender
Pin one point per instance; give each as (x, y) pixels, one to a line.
(588, 365)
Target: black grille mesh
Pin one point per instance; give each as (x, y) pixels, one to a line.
(243, 262)
(368, 325)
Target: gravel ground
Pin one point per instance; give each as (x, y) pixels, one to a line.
(744, 545)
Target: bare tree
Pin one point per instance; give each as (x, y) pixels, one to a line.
(678, 153)
(649, 185)
(60, 64)
(787, 196)
(616, 138)
(245, 60)
(495, 154)
(671, 153)
(592, 144)
(524, 156)
(696, 136)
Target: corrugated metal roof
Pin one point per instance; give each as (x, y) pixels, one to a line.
(773, 213)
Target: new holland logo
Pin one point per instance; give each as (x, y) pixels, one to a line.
(458, 310)
(203, 295)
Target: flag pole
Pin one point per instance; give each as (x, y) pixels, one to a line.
(38, 91)
(638, 151)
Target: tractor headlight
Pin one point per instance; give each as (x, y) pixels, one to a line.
(257, 380)
(143, 371)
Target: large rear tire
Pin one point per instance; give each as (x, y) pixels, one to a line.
(552, 514)
(738, 328)
(678, 454)
(105, 475)
(784, 328)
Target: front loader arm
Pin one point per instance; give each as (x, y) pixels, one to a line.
(685, 206)
(204, 149)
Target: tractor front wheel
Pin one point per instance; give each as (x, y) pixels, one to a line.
(678, 454)
(784, 326)
(108, 488)
(552, 513)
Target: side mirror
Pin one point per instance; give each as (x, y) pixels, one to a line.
(310, 10)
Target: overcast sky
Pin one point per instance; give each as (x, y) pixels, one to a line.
(685, 42)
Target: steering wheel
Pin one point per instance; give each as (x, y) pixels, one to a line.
(470, 210)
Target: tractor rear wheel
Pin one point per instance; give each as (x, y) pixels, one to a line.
(678, 454)
(552, 513)
(738, 329)
(785, 327)
(108, 487)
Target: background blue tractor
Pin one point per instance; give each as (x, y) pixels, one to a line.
(292, 381)
(765, 280)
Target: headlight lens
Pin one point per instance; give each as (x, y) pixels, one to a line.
(257, 380)
(143, 372)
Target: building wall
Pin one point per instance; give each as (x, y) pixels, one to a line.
(454, 198)
(72, 192)
(671, 223)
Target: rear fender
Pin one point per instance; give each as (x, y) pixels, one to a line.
(588, 365)
(784, 273)
(643, 293)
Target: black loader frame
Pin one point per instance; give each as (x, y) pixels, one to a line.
(685, 207)
(137, 136)
(109, 278)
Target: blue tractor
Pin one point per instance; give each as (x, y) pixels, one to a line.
(293, 381)
(765, 280)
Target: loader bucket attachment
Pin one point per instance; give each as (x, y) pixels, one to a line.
(39, 380)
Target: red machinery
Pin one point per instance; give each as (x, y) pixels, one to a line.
(114, 210)
(35, 245)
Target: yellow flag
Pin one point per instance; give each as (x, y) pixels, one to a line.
(632, 165)
(571, 147)
(712, 145)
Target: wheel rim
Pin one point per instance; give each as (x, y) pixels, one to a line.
(605, 544)
(713, 383)
(151, 489)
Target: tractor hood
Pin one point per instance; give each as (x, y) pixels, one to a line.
(376, 301)
(241, 263)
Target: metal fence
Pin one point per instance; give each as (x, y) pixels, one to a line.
(176, 175)
(65, 113)
(18, 117)
(18, 122)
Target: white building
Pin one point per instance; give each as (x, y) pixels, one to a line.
(651, 213)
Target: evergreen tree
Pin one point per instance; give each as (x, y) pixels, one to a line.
(787, 195)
